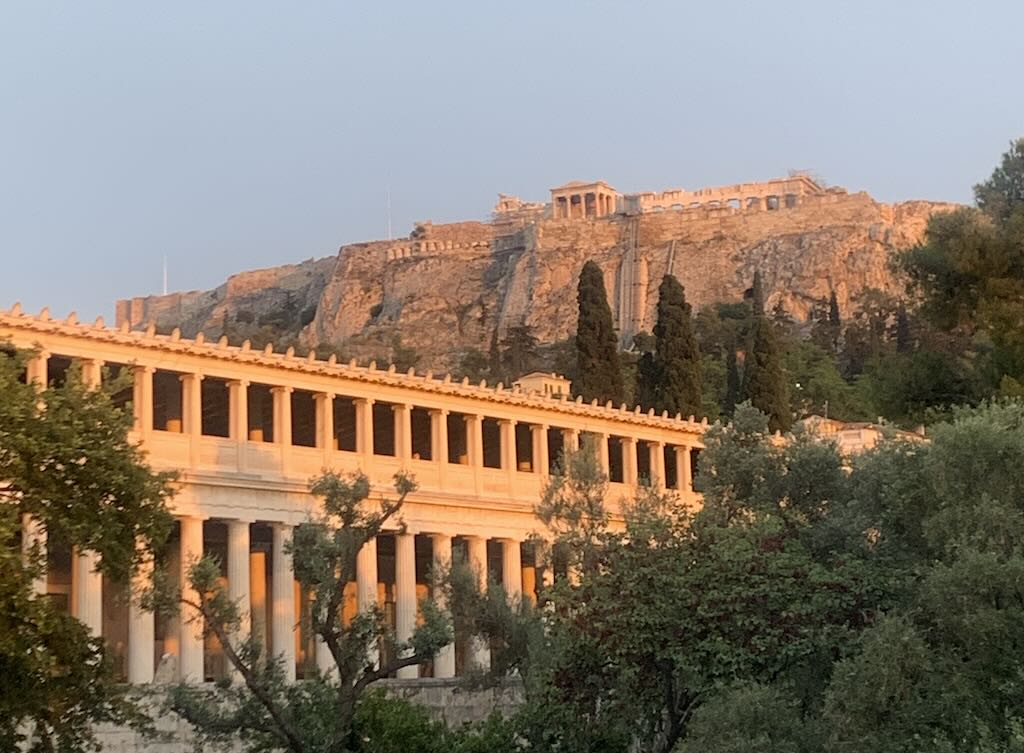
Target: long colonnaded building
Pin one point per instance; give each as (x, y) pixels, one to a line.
(247, 429)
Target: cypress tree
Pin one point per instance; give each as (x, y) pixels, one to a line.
(764, 380)
(733, 386)
(676, 353)
(904, 335)
(835, 322)
(757, 295)
(598, 372)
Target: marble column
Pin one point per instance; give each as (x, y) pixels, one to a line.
(325, 422)
(142, 399)
(405, 596)
(364, 428)
(191, 404)
(481, 652)
(36, 370)
(657, 464)
(444, 660)
(629, 464)
(684, 473)
(239, 585)
(403, 431)
(571, 439)
(192, 413)
(475, 449)
(238, 418)
(539, 435)
(282, 397)
(474, 440)
(366, 584)
(88, 595)
(283, 596)
(92, 372)
(238, 410)
(190, 625)
(439, 441)
(141, 632)
(512, 568)
(602, 452)
(507, 432)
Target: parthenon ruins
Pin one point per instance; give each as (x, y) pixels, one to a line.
(580, 200)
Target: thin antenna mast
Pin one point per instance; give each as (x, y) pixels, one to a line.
(165, 274)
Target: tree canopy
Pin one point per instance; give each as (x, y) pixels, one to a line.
(70, 472)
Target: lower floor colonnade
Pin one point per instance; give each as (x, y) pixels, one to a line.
(394, 572)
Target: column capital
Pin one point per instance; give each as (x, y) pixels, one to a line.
(190, 376)
(139, 368)
(238, 383)
(363, 400)
(191, 516)
(281, 388)
(438, 411)
(324, 396)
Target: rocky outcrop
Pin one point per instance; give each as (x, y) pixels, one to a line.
(450, 287)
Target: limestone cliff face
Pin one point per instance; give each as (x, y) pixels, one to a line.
(447, 288)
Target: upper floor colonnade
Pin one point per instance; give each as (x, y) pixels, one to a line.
(246, 431)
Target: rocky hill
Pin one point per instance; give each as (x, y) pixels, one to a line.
(447, 288)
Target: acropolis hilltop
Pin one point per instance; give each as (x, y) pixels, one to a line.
(449, 287)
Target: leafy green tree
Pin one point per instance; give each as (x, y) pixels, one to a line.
(473, 364)
(664, 615)
(598, 371)
(264, 711)
(751, 717)
(404, 357)
(673, 378)
(817, 387)
(827, 327)
(941, 671)
(1003, 192)
(519, 352)
(969, 275)
(69, 467)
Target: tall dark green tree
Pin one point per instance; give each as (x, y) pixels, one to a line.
(733, 384)
(598, 370)
(835, 321)
(764, 379)
(757, 294)
(676, 369)
(519, 352)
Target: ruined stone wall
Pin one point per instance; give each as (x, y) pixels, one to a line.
(446, 700)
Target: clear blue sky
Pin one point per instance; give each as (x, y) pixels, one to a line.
(236, 135)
